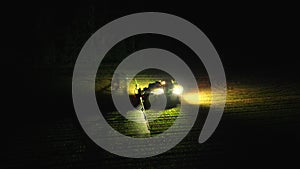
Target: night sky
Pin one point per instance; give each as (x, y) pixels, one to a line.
(248, 37)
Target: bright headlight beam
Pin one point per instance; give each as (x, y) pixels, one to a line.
(157, 91)
(177, 90)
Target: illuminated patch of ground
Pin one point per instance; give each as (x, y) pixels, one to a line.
(130, 128)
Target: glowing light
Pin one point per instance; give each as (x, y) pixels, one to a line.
(163, 83)
(177, 89)
(202, 98)
(157, 91)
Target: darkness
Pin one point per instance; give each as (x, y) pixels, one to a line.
(245, 35)
(253, 40)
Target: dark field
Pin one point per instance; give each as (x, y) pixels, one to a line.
(259, 129)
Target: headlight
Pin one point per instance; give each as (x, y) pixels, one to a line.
(177, 89)
(157, 91)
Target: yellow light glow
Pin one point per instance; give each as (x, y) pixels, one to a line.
(177, 89)
(201, 98)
